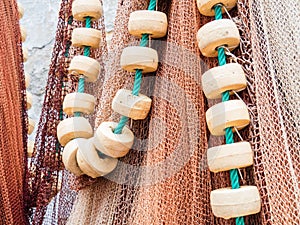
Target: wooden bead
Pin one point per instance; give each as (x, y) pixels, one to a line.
(233, 113)
(29, 100)
(79, 102)
(82, 37)
(229, 156)
(30, 148)
(31, 125)
(206, 7)
(129, 105)
(153, 23)
(27, 80)
(71, 128)
(69, 155)
(20, 10)
(217, 33)
(86, 66)
(136, 57)
(90, 162)
(113, 145)
(231, 203)
(25, 54)
(83, 8)
(23, 33)
(223, 78)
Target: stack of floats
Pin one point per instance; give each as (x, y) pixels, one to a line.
(31, 122)
(227, 116)
(96, 154)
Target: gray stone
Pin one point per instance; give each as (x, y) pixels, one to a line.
(40, 21)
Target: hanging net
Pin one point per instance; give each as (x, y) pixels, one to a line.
(165, 179)
(13, 126)
(50, 199)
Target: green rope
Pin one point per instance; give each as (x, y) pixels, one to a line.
(138, 75)
(218, 11)
(121, 125)
(88, 22)
(234, 175)
(152, 5)
(86, 52)
(221, 56)
(81, 85)
(137, 82)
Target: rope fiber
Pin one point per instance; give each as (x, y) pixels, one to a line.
(234, 175)
(138, 75)
(86, 52)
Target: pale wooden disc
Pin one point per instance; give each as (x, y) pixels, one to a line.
(233, 113)
(230, 77)
(218, 33)
(231, 203)
(129, 105)
(74, 127)
(229, 156)
(136, 57)
(153, 23)
(113, 145)
(206, 7)
(86, 37)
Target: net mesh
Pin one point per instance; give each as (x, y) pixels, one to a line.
(275, 43)
(13, 126)
(164, 179)
(50, 199)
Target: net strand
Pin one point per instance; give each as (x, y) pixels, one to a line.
(14, 119)
(138, 75)
(234, 174)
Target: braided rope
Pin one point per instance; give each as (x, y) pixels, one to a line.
(138, 75)
(86, 52)
(234, 175)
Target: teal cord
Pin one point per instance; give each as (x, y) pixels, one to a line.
(121, 125)
(138, 75)
(221, 56)
(234, 175)
(218, 11)
(152, 5)
(86, 52)
(88, 22)
(137, 82)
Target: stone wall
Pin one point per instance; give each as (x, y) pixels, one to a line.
(40, 21)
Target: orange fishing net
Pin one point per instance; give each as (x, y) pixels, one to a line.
(46, 176)
(164, 179)
(13, 129)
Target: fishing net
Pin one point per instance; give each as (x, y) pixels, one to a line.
(164, 179)
(13, 126)
(275, 37)
(46, 177)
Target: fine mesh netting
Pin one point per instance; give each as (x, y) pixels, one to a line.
(46, 176)
(164, 179)
(13, 126)
(275, 37)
